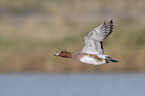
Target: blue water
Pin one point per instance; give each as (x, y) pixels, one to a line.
(72, 85)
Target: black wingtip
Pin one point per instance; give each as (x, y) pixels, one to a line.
(111, 21)
(104, 22)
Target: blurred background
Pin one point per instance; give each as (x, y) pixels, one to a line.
(32, 31)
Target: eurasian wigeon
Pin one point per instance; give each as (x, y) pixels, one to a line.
(92, 53)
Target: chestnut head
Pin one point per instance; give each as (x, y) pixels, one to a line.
(64, 54)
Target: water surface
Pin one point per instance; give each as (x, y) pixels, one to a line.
(72, 85)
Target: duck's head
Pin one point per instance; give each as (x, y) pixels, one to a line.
(64, 54)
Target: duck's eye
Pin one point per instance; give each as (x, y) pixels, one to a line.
(62, 52)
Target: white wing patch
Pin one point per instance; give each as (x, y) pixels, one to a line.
(93, 40)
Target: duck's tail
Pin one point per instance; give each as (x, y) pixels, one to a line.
(109, 59)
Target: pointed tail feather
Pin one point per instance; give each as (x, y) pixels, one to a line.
(109, 59)
(114, 60)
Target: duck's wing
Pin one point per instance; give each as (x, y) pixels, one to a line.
(93, 40)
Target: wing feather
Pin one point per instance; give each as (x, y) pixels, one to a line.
(94, 39)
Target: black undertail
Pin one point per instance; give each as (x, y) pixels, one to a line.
(109, 59)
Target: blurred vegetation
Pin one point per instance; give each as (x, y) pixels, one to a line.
(32, 31)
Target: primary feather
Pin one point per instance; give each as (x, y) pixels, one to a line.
(94, 40)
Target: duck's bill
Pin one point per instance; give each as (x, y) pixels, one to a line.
(56, 54)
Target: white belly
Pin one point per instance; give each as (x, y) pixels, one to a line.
(90, 60)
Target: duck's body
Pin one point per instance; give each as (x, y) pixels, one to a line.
(93, 59)
(93, 53)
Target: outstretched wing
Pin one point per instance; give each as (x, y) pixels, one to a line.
(93, 40)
